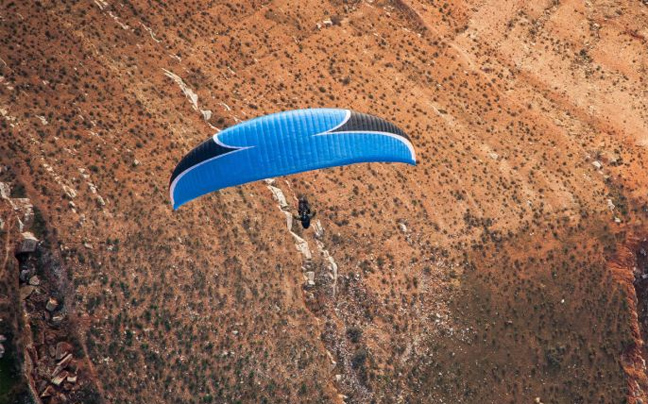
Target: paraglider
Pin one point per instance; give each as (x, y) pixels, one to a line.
(305, 213)
(287, 143)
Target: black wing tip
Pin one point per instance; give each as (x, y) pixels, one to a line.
(360, 121)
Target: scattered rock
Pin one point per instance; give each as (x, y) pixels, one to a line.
(63, 363)
(319, 230)
(25, 209)
(71, 193)
(206, 114)
(26, 291)
(57, 380)
(28, 244)
(310, 276)
(49, 390)
(57, 319)
(52, 304)
(62, 349)
(34, 280)
(610, 204)
(5, 190)
(302, 247)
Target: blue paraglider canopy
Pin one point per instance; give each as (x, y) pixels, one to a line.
(287, 143)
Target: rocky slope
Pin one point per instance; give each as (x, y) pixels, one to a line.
(494, 271)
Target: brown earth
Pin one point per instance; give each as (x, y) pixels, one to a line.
(500, 269)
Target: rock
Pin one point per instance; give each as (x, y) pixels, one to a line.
(26, 210)
(63, 363)
(62, 349)
(338, 378)
(319, 230)
(5, 190)
(2, 338)
(72, 378)
(26, 291)
(610, 204)
(52, 304)
(302, 247)
(311, 278)
(71, 193)
(58, 319)
(136, 162)
(57, 380)
(28, 244)
(34, 280)
(597, 164)
(279, 196)
(49, 390)
(2, 350)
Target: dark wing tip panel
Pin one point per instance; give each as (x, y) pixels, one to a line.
(206, 150)
(359, 122)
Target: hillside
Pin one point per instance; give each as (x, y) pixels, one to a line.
(505, 267)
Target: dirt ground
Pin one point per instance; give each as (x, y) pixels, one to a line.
(501, 269)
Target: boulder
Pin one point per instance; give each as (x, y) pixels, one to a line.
(62, 349)
(63, 363)
(28, 243)
(26, 291)
(58, 379)
(34, 280)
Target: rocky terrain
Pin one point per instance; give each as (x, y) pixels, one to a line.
(508, 266)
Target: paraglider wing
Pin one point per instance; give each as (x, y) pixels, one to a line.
(287, 143)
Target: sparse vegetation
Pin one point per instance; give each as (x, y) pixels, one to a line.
(450, 276)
